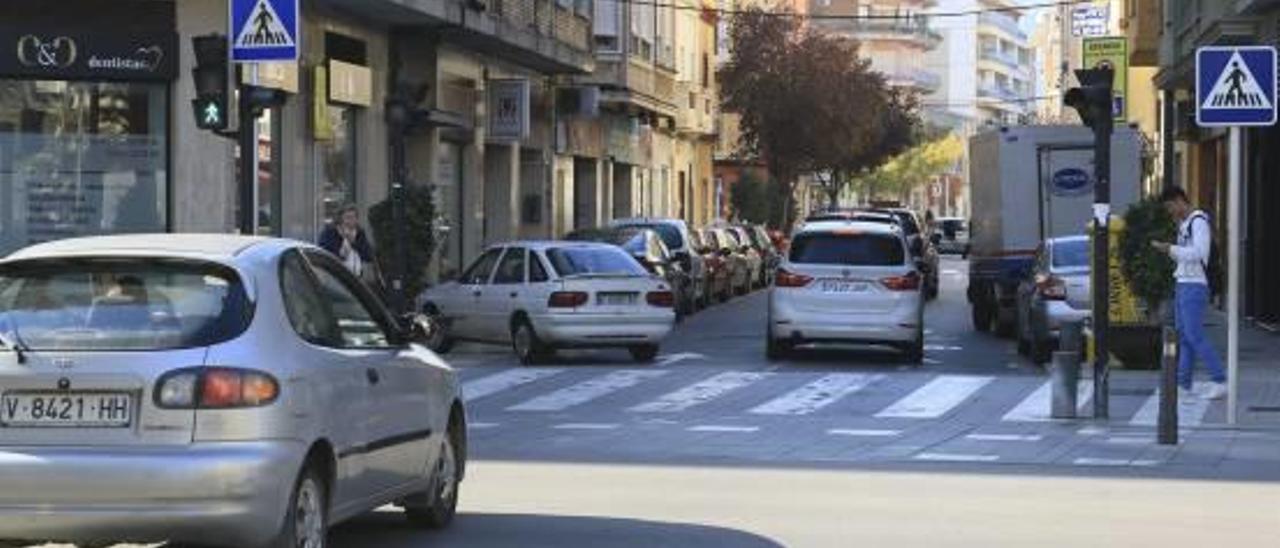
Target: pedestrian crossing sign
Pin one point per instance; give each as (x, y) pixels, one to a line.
(1236, 86)
(264, 30)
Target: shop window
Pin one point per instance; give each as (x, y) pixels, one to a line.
(338, 163)
(81, 158)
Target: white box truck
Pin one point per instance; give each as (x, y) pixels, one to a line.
(1027, 184)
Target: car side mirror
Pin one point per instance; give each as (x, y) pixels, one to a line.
(418, 327)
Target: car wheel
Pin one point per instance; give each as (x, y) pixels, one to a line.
(306, 523)
(439, 342)
(913, 352)
(525, 343)
(1039, 350)
(644, 353)
(443, 497)
(775, 349)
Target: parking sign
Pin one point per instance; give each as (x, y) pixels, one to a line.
(264, 30)
(1236, 86)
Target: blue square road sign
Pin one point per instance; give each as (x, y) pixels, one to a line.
(1236, 86)
(264, 30)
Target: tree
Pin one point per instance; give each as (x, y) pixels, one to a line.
(749, 198)
(895, 126)
(912, 168)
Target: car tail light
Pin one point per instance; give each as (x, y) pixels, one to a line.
(567, 299)
(786, 278)
(909, 282)
(664, 299)
(216, 388)
(1051, 287)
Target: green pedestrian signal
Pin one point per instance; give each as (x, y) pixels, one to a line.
(210, 112)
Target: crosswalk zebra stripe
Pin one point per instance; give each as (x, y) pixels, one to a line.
(864, 432)
(817, 394)
(1190, 413)
(936, 398)
(956, 457)
(511, 378)
(699, 393)
(1037, 406)
(587, 390)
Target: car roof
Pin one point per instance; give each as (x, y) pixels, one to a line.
(543, 245)
(221, 247)
(860, 226)
(647, 220)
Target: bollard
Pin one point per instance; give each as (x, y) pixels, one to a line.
(1167, 420)
(1065, 376)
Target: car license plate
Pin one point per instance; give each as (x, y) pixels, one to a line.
(66, 409)
(616, 299)
(843, 286)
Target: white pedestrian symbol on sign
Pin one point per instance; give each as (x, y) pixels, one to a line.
(264, 29)
(1236, 88)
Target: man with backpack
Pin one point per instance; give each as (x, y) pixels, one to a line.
(1197, 276)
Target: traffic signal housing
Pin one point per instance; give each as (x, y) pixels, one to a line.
(212, 82)
(1092, 99)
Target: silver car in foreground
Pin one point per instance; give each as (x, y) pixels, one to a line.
(847, 282)
(215, 389)
(1057, 292)
(543, 296)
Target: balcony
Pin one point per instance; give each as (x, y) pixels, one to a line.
(540, 34)
(999, 94)
(1004, 59)
(1003, 22)
(920, 80)
(915, 30)
(1142, 28)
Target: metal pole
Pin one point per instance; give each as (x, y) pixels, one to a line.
(1167, 420)
(248, 137)
(1166, 141)
(1101, 267)
(1233, 274)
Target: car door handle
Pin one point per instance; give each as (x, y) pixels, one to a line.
(372, 375)
(514, 294)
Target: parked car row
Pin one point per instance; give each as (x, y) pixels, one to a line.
(620, 286)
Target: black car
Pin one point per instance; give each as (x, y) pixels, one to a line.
(923, 245)
(647, 247)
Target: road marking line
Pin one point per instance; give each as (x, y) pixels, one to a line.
(1037, 406)
(1190, 413)
(700, 393)
(1004, 437)
(587, 390)
(955, 457)
(1130, 440)
(585, 426)
(869, 433)
(722, 428)
(511, 378)
(1095, 461)
(482, 425)
(936, 398)
(669, 359)
(817, 394)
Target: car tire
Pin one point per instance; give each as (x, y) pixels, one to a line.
(442, 498)
(1039, 350)
(644, 353)
(913, 352)
(440, 342)
(776, 349)
(306, 521)
(526, 344)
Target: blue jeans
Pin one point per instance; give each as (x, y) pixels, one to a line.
(1190, 301)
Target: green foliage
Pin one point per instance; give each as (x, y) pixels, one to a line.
(419, 215)
(912, 168)
(1150, 272)
(750, 199)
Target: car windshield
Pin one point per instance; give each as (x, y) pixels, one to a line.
(115, 304)
(586, 261)
(847, 249)
(669, 233)
(1071, 254)
(908, 222)
(950, 227)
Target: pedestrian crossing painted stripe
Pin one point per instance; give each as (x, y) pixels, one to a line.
(817, 394)
(1004, 437)
(587, 390)
(955, 457)
(1038, 405)
(511, 378)
(724, 428)
(1190, 413)
(864, 432)
(936, 398)
(700, 393)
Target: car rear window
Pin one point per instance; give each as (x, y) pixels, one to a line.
(669, 233)
(121, 304)
(578, 261)
(847, 249)
(1071, 254)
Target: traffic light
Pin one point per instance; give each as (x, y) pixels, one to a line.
(1092, 100)
(212, 81)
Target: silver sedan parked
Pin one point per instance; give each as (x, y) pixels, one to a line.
(1056, 293)
(183, 388)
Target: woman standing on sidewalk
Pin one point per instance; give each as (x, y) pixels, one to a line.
(1192, 254)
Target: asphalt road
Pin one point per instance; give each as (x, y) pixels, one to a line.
(714, 446)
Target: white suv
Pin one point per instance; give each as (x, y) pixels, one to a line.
(847, 282)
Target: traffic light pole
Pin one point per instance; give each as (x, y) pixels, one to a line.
(1101, 269)
(247, 139)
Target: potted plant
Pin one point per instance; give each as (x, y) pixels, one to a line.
(419, 233)
(1149, 275)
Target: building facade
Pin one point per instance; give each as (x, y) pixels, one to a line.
(986, 65)
(893, 34)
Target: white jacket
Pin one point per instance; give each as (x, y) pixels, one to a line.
(1192, 253)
